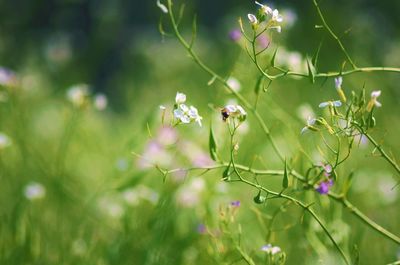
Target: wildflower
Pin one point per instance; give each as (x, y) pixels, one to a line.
(336, 103)
(324, 186)
(338, 82)
(183, 113)
(163, 8)
(235, 35)
(310, 125)
(201, 229)
(270, 249)
(162, 107)
(100, 102)
(253, 20)
(234, 111)
(235, 204)
(373, 102)
(234, 84)
(7, 77)
(78, 94)
(276, 16)
(338, 86)
(34, 191)
(264, 8)
(180, 98)
(327, 169)
(5, 141)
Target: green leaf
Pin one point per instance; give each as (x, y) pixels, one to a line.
(273, 58)
(212, 145)
(194, 31)
(315, 58)
(258, 86)
(311, 71)
(285, 181)
(225, 174)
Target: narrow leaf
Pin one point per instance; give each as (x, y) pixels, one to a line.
(285, 181)
(258, 86)
(311, 73)
(273, 58)
(212, 145)
(315, 58)
(194, 31)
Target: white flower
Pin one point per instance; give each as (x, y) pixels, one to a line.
(234, 84)
(194, 115)
(162, 107)
(34, 191)
(338, 82)
(336, 103)
(271, 249)
(77, 94)
(241, 110)
(5, 141)
(187, 114)
(373, 101)
(310, 125)
(266, 9)
(100, 101)
(276, 16)
(163, 8)
(374, 96)
(252, 19)
(234, 111)
(180, 98)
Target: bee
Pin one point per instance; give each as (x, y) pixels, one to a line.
(225, 114)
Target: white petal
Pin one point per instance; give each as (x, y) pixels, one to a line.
(252, 18)
(375, 94)
(304, 130)
(185, 119)
(378, 104)
(178, 113)
(163, 8)
(231, 108)
(337, 103)
(338, 82)
(184, 108)
(324, 104)
(180, 98)
(241, 110)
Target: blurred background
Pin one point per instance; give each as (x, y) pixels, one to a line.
(80, 129)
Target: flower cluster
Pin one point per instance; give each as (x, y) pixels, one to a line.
(324, 186)
(266, 13)
(183, 113)
(233, 111)
(80, 96)
(271, 249)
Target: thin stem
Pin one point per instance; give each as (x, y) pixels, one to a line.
(354, 210)
(378, 147)
(302, 205)
(328, 28)
(338, 198)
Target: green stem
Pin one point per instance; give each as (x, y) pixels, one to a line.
(338, 198)
(328, 28)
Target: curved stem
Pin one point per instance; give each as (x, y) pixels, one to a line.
(338, 198)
